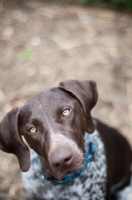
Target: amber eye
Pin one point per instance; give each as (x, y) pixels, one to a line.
(32, 130)
(66, 112)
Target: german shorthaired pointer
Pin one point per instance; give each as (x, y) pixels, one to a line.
(60, 158)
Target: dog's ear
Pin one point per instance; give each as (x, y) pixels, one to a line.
(10, 140)
(86, 93)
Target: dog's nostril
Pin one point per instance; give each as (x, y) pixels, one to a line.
(57, 165)
(68, 159)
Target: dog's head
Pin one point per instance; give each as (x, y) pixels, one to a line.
(53, 124)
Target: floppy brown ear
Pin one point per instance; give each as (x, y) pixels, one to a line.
(87, 95)
(10, 141)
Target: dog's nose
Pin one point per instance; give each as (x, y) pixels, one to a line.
(62, 157)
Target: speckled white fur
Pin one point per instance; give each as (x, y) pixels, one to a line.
(89, 185)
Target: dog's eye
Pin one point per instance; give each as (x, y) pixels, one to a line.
(66, 112)
(32, 130)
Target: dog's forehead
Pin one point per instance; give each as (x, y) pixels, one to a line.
(54, 96)
(48, 101)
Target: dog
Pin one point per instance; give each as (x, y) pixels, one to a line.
(63, 153)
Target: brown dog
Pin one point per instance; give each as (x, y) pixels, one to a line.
(54, 123)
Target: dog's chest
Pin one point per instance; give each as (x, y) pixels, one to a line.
(89, 185)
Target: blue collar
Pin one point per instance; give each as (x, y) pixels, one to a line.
(89, 157)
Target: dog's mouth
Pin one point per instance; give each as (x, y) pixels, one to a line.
(64, 174)
(72, 166)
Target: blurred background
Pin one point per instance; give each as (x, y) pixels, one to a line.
(45, 42)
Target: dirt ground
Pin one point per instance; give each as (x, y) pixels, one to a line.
(43, 43)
